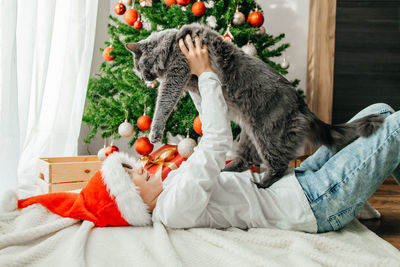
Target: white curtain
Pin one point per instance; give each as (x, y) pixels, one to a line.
(46, 49)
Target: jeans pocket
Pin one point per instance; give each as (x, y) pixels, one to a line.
(343, 217)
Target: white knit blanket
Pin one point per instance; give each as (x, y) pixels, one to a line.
(35, 237)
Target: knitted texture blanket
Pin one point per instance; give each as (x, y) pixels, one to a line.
(35, 237)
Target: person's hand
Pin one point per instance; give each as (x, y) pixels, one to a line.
(197, 56)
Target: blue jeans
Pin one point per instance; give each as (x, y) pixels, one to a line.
(338, 183)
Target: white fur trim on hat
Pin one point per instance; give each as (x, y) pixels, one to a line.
(126, 193)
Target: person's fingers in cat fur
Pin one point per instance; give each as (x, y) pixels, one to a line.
(183, 48)
(197, 57)
(197, 44)
(190, 43)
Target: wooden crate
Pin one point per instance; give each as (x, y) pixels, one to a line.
(296, 163)
(66, 173)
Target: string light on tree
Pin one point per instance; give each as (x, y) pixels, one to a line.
(119, 8)
(198, 8)
(106, 53)
(143, 146)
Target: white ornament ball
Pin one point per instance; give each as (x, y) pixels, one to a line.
(261, 31)
(102, 154)
(238, 18)
(125, 129)
(249, 49)
(285, 64)
(186, 147)
(127, 2)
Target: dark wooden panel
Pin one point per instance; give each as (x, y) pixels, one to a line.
(367, 56)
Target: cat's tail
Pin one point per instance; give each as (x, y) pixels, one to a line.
(340, 135)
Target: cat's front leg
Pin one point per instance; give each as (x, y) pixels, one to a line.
(246, 155)
(169, 93)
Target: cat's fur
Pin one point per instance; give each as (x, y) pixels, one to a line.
(274, 119)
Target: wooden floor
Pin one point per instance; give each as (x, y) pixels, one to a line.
(387, 200)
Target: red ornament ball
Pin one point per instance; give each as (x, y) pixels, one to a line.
(119, 8)
(170, 2)
(110, 150)
(130, 16)
(256, 19)
(138, 24)
(198, 9)
(197, 126)
(183, 2)
(144, 122)
(106, 53)
(143, 146)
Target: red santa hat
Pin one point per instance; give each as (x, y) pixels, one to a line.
(109, 198)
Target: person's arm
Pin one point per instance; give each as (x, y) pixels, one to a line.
(187, 190)
(198, 61)
(196, 100)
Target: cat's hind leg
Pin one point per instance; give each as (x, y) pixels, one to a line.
(246, 155)
(276, 168)
(278, 147)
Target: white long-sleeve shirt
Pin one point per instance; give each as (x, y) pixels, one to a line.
(198, 194)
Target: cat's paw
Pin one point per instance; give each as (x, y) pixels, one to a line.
(155, 136)
(236, 165)
(267, 180)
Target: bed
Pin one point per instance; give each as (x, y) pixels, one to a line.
(35, 237)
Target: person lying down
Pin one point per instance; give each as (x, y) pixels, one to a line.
(324, 194)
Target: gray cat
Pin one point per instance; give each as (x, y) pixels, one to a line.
(274, 119)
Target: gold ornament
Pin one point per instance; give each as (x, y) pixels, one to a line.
(238, 18)
(261, 31)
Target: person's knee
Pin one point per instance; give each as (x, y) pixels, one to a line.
(394, 119)
(380, 108)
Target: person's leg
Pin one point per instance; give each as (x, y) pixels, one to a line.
(343, 184)
(323, 154)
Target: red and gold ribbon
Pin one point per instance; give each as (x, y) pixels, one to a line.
(161, 159)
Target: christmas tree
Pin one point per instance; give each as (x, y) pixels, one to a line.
(118, 95)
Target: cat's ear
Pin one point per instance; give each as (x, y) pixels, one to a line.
(134, 48)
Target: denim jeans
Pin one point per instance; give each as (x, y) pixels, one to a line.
(338, 183)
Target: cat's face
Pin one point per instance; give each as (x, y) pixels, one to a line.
(151, 54)
(143, 60)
